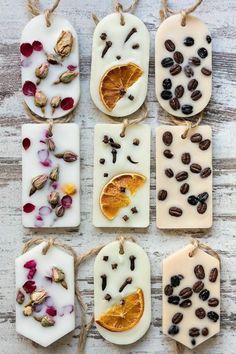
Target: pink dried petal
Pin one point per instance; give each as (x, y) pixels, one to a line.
(48, 300)
(26, 49)
(38, 221)
(67, 103)
(71, 67)
(51, 311)
(43, 155)
(49, 278)
(47, 163)
(45, 210)
(26, 143)
(28, 208)
(37, 46)
(38, 307)
(29, 88)
(65, 310)
(66, 201)
(30, 264)
(29, 286)
(31, 273)
(54, 185)
(25, 63)
(42, 141)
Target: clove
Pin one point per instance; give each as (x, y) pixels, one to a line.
(130, 34)
(114, 153)
(125, 218)
(105, 139)
(114, 266)
(132, 262)
(105, 258)
(130, 160)
(134, 210)
(104, 281)
(126, 282)
(115, 145)
(108, 297)
(107, 46)
(135, 46)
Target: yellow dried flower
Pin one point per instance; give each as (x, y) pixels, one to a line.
(69, 189)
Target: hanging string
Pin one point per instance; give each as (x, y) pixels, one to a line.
(119, 8)
(95, 19)
(127, 121)
(122, 240)
(34, 9)
(189, 125)
(179, 348)
(166, 11)
(198, 245)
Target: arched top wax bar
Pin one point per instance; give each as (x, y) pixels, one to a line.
(120, 58)
(50, 67)
(183, 66)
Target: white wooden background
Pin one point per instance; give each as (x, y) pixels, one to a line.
(220, 17)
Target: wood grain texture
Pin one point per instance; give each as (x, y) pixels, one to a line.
(220, 17)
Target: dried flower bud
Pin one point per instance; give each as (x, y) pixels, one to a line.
(38, 297)
(53, 198)
(53, 59)
(60, 211)
(64, 44)
(40, 100)
(28, 310)
(20, 297)
(55, 102)
(41, 72)
(69, 156)
(57, 275)
(46, 321)
(38, 318)
(66, 77)
(54, 174)
(38, 183)
(51, 145)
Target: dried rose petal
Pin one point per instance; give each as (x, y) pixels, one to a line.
(38, 307)
(49, 301)
(26, 49)
(71, 67)
(47, 163)
(30, 264)
(45, 210)
(28, 208)
(51, 311)
(49, 278)
(43, 155)
(31, 273)
(37, 46)
(66, 201)
(29, 88)
(67, 103)
(54, 185)
(29, 286)
(26, 143)
(65, 310)
(38, 221)
(25, 63)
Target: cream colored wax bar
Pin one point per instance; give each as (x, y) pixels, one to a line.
(184, 177)
(191, 296)
(122, 287)
(50, 175)
(121, 176)
(120, 58)
(183, 66)
(45, 294)
(50, 66)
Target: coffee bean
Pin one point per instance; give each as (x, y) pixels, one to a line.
(174, 300)
(194, 332)
(118, 57)
(202, 52)
(187, 109)
(192, 85)
(174, 211)
(166, 95)
(194, 61)
(167, 62)
(193, 342)
(195, 168)
(175, 280)
(173, 330)
(204, 294)
(181, 176)
(203, 197)
(186, 293)
(178, 57)
(213, 302)
(170, 46)
(204, 144)
(103, 36)
(206, 172)
(179, 91)
(105, 258)
(206, 71)
(102, 161)
(198, 286)
(199, 271)
(174, 103)
(196, 95)
(200, 313)
(192, 200)
(188, 41)
(169, 173)
(131, 97)
(186, 158)
(168, 290)
(202, 208)
(213, 275)
(106, 139)
(167, 138)
(135, 46)
(167, 84)
(205, 331)
(177, 318)
(184, 188)
(188, 71)
(196, 138)
(162, 194)
(213, 316)
(168, 154)
(208, 39)
(185, 304)
(175, 69)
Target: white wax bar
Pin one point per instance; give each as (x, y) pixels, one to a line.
(104, 172)
(59, 301)
(183, 58)
(125, 48)
(37, 160)
(37, 31)
(191, 296)
(184, 192)
(116, 276)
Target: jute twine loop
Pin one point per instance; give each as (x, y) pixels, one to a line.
(34, 9)
(166, 11)
(179, 348)
(95, 19)
(127, 121)
(119, 8)
(189, 125)
(122, 240)
(198, 245)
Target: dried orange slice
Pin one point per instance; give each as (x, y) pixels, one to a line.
(116, 81)
(124, 316)
(112, 198)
